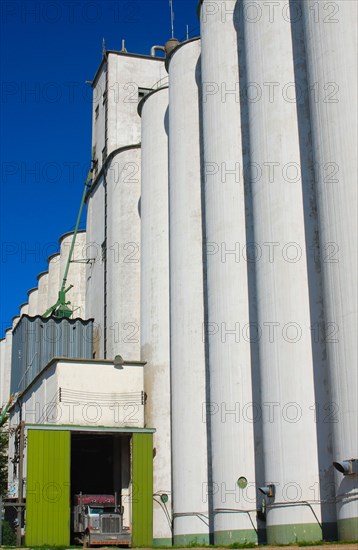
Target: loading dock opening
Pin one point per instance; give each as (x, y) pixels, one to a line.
(63, 461)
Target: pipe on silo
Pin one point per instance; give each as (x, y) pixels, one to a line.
(123, 172)
(155, 336)
(283, 308)
(331, 53)
(188, 358)
(230, 362)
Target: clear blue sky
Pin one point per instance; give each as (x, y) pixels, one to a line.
(49, 49)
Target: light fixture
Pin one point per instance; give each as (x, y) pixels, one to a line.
(347, 467)
(118, 362)
(268, 490)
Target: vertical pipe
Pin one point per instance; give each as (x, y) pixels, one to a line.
(331, 50)
(188, 361)
(286, 362)
(155, 338)
(228, 307)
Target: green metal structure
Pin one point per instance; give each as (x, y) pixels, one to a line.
(60, 309)
(48, 488)
(142, 499)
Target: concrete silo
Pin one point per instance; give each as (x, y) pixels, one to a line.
(122, 175)
(53, 280)
(286, 362)
(33, 301)
(42, 282)
(77, 270)
(155, 336)
(24, 308)
(331, 52)
(188, 358)
(230, 407)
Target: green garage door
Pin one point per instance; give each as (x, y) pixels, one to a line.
(142, 478)
(48, 488)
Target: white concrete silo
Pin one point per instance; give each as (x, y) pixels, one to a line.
(95, 246)
(3, 396)
(331, 52)
(231, 411)
(33, 301)
(155, 336)
(42, 282)
(188, 361)
(6, 377)
(77, 271)
(123, 253)
(53, 279)
(287, 380)
(24, 308)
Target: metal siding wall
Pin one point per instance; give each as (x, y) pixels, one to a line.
(37, 340)
(142, 479)
(48, 488)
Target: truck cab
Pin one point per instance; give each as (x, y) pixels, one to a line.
(97, 520)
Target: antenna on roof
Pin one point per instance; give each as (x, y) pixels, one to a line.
(123, 46)
(187, 32)
(104, 49)
(172, 16)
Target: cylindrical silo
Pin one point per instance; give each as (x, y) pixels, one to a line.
(155, 337)
(95, 266)
(24, 308)
(123, 254)
(286, 362)
(42, 284)
(7, 365)
(331, 53)
(188, 358)
(33, 302)
(76, 275)
(3, 396)
(230, 408)
(53, 279)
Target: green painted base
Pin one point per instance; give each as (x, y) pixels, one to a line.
(229, 537)
(191, 539)
(162, 542)
(287, 534)
(348, 529)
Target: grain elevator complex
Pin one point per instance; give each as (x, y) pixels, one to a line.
(208, 371)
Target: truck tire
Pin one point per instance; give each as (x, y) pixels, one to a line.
(86, 540)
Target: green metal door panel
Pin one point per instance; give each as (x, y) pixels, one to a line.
(48, 488)
(142, 479)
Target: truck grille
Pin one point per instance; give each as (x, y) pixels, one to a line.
(110, 524)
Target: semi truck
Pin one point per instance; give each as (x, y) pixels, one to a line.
(98, 521)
